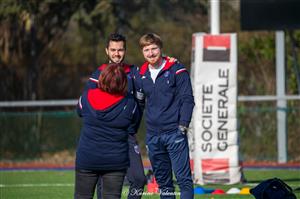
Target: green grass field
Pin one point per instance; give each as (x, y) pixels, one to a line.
(60, 184)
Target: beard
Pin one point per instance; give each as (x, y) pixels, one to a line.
(153, 60)
(116, 59)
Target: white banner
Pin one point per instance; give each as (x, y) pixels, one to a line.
(214, 147)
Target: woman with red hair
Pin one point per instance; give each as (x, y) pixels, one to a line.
(109, 116)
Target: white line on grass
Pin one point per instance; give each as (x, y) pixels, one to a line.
(38, 185)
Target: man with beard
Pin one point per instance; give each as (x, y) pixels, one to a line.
(166, 88)
(115, 50)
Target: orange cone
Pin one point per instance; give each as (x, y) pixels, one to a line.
(152, 187)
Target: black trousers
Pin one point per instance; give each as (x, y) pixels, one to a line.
(135, 173)
(86, 180)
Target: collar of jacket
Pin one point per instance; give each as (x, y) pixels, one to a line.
(168, 65)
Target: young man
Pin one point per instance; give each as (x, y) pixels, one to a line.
(166, 88)
(115, 50)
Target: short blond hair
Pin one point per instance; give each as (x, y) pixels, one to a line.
(150, 38)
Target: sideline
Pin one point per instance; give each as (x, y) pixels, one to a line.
(37, 185)
(36, 166)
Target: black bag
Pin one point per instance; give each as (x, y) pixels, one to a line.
(273, 189)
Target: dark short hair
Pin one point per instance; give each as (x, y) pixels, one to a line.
(116, 37)
(113, 79)
(150, 38)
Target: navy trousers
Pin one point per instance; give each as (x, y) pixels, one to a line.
(135, 173)
(169, 152)
(86, 180)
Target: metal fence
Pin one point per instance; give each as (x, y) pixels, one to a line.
(30, 129)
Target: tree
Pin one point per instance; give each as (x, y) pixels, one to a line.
(28, 29)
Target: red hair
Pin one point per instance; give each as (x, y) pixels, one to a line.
(113, 79)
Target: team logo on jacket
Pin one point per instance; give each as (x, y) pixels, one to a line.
(167, 73)
(137, 149)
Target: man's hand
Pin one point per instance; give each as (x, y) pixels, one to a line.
(172, 59)
(183, 129)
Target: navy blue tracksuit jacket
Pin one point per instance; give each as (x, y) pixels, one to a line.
(169, 101)
(107, 121)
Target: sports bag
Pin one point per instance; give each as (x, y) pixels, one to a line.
(273, 189)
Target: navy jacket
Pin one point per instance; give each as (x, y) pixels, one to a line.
(107, 121)
(169, 101)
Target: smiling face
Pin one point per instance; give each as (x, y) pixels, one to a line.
(152, 54)
(115, 51)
